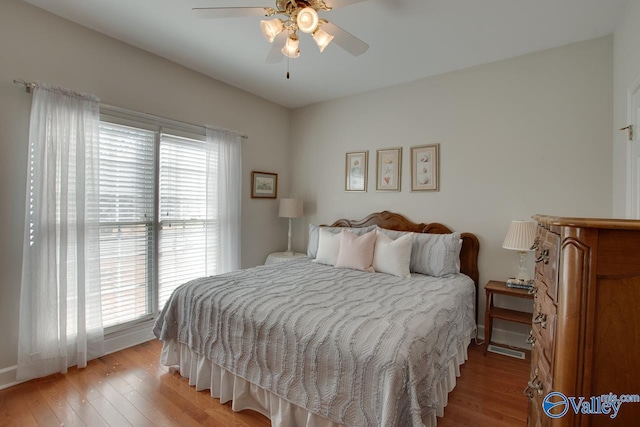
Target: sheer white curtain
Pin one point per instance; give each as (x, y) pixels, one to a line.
(224, 195)
(60, 307)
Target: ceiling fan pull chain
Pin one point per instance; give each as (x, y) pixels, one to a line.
(288, 59)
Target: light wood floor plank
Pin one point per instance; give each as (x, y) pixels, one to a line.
(54, 396)
(131, 388)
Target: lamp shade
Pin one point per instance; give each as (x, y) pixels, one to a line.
(520, 236)
(307, 20)
(322, 38)
(270, 29)
(290, 48)
(290, 208)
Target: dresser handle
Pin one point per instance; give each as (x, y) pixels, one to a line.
(544, 256)
(531, 339)
(535, 244)
(542, 319)
(536, 386)
(528, 392)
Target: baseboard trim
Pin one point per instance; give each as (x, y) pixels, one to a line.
(8, 377)
(505, 337)
(129, 337)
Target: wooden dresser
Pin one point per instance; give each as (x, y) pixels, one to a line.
(586, 319)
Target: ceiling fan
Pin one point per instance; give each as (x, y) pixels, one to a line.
(298, 15)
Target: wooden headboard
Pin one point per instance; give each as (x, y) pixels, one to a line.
(394, 221)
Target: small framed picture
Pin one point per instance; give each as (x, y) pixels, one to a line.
(388, 170)
(264, 185)
(425, 168)
(356, 171)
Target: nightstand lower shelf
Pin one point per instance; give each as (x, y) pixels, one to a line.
(511, 315)
(492, 312)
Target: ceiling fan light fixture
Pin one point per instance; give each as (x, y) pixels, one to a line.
(291, 48)
(307, 20)
(270, 29)
(322, 38)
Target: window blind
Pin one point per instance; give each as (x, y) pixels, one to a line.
(127, 197)
(188, 209)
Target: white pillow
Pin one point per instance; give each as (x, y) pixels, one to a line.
(393, 256)
(328, 247)
(314, 230)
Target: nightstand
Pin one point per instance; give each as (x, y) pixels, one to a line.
(495, 287)
(282, 257)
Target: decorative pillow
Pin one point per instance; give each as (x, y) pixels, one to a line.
(393, 256)
(328, 247)
(436, 254)
(312, 247)
(356, 251)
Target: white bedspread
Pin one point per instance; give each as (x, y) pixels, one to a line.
(356, 348)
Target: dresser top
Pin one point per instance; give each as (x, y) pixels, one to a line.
(608, 223)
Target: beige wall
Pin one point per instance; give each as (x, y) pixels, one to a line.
(35, 45)
(520, 136)
(626, 68)
(517, 137)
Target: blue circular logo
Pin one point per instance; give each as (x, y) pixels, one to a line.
(552, 403)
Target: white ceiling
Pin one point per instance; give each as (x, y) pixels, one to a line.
(409, 39)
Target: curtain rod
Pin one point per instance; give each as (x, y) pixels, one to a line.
(32, 85)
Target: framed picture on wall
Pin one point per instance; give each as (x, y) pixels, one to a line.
(264, 185)
(388, 169)
(425, 168)
(356, 171)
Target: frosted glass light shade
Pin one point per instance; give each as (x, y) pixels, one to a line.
(520, 236)
(290, 48)
(270, 29)
(322, 38)
(307, 20)
(290, 208)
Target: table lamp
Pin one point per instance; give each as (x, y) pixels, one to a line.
(290, 208)
(520, 238)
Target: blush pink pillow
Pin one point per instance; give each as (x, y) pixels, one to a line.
(356, 251)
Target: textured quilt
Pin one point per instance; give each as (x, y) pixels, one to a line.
(358, 348)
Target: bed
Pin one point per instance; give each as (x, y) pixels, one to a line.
(312, 345)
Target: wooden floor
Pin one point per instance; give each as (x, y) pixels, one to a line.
(131, 388)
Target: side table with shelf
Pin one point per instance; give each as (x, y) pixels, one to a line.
(495, 287)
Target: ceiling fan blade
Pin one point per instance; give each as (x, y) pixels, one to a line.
(229, 12)
(345, 39)
(341, 3)
(275, 54)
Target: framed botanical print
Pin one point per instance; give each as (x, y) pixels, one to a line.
(356, 171)
(425, 168)
(264, 185)
(388, 169)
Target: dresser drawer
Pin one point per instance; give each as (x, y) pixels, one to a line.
(538, 386)
(543, 339)
(547, 257)
(550, 262)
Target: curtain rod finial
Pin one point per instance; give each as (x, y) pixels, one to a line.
(27, 86)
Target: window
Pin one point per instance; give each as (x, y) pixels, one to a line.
(184, 252)
(127, 194)
(157, 217)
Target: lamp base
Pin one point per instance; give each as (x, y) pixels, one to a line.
(289, 251)
(523, 273)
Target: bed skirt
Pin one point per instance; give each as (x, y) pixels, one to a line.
(203, 374)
